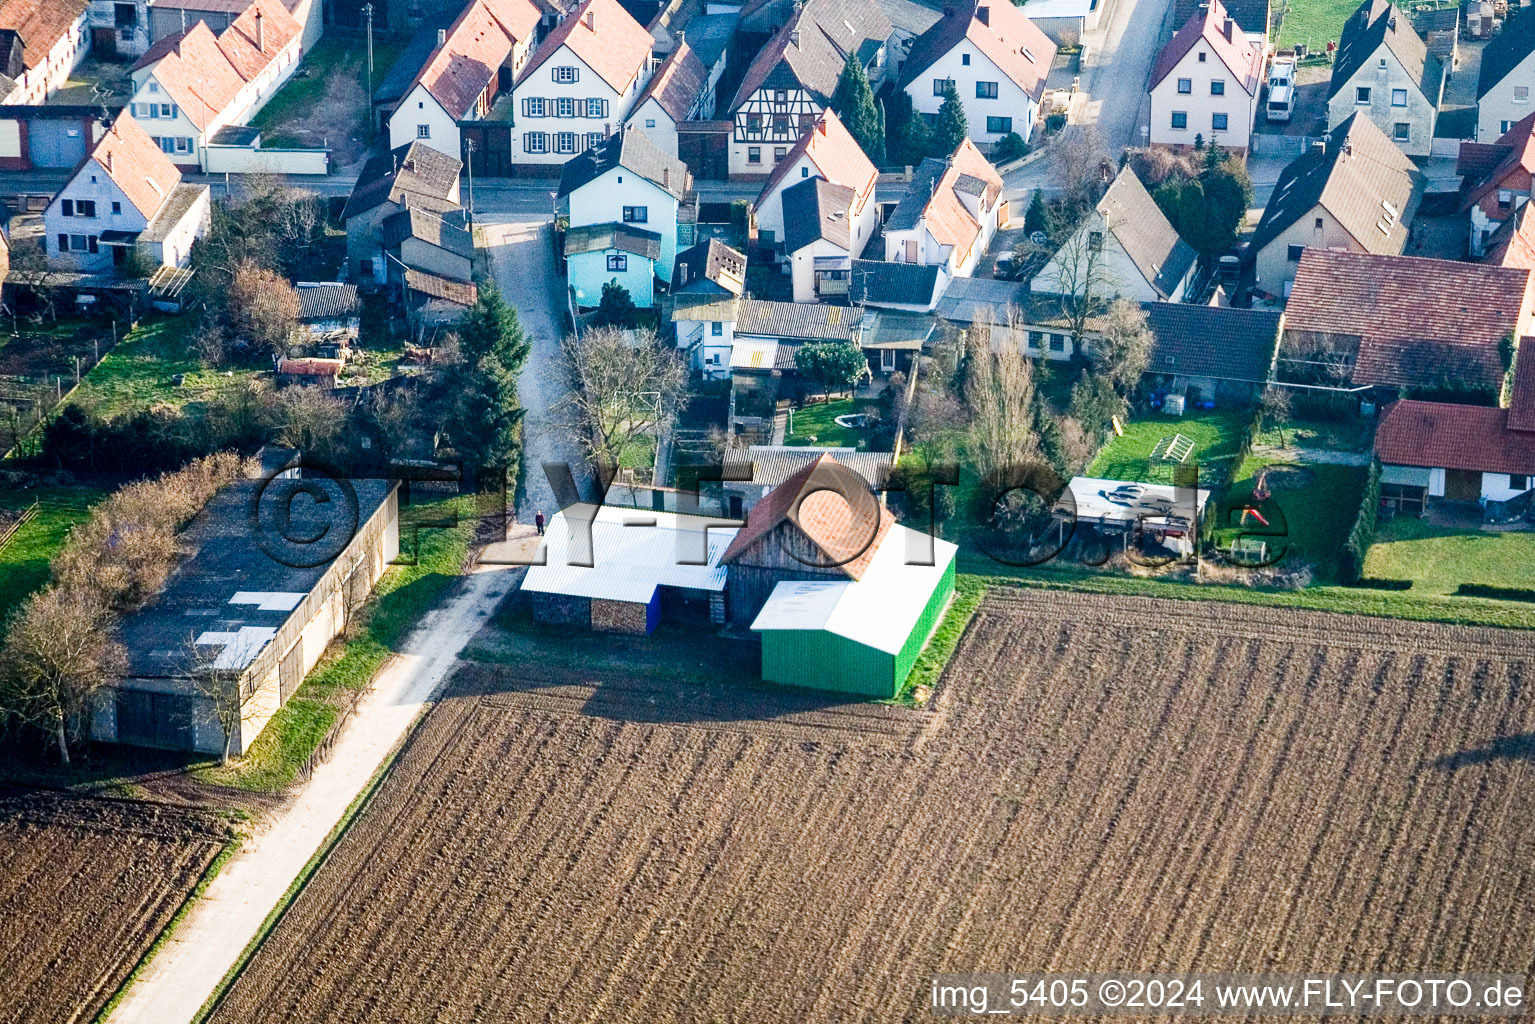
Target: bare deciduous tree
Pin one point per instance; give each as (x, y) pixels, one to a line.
(621, 386)
(1121, 351)
(61, 649)
(999, 396)
(1084, 275)
(30, 268)
(309, 419)
(262, 308)
(220, 687)
(1275, 408)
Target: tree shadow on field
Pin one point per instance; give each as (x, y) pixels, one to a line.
(1504, 748)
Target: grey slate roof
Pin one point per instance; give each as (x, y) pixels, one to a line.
(709, 266)
(1145, 233)
(805, 321)
(1377, 22)
(402, 74)
(613, 235)
(326, 301)
(1506, 49)
(1212, 341)
(771, 465)
(1359, 170)
(827, 31)
(710, 34)
(444, 231)
(719, 306)
(634, 152)
(416, 170)
(816, 209)
(910, 16)
(1251, 16)
(881, 283)
(226, 559)
(968, 299)
(908, 211)
(182, 197)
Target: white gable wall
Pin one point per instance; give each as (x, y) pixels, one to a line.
(1419, 112)
(90, 183)
(1011, 102)
(1199, 106)
(602, 201)
(420, 110)
(551, 139)
(1501, 108)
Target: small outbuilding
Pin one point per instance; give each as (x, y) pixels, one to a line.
(622, 570)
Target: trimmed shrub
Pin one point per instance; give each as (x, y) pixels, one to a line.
(1351, 563)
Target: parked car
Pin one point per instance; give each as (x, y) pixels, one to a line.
(1281, 99)
(1007, 268)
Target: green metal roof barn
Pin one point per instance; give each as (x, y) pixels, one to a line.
(858, 635)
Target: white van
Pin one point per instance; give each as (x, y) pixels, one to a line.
(1281, 100)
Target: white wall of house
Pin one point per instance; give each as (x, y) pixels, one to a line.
(604, 200)
(1502, 486)
(1391, 99)
(656, 124)
(1011, 103)
(770, 210)
(175, 249)
(1115, 270)
(423, 255)
(1274, 263)
(915, 245)
(708, 351)
(1508, 102)
(112, 211)
(803, 270)
(1200, 108)
(420, 116)
(156, 110)
(41, 81)
(551, 113)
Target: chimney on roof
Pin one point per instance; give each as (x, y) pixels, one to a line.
(109, 161)
(1319, 146)
(1392, 23)
(983, 15)
(794, 37)
(591, 19)
(666, 177)
(442, 36)
(260, 36)
(1228, 28)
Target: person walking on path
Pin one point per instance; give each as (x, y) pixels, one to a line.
(538, 521)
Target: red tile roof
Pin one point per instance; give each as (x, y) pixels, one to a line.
(520, 18)
(948, 218)
(1513, 243)
(1521, 402)
(1415, 318)
(1245, 62)
(1443, 436)
(136, 165)
(196, 73)
(1000, 30)
(677, 83)
(1515, 155)
(606, 38)
(204, 73)
(39, 24)
(466, 61)
(845, 534)
(267, 19)
(835, 154)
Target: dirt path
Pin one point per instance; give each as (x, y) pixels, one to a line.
(1319, 456)
(210, 940)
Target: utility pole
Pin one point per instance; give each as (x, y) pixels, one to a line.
(469, 147)
(367, 10)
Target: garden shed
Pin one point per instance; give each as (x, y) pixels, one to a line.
(859, 636)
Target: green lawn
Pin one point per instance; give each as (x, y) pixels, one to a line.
(816, 424)
(1313, 22)
(140, 371)
(1311, 508)
(1329, 435)
(1439, 560)
(399, 600)
(24, 561)
(1216, 435)
(639, 453)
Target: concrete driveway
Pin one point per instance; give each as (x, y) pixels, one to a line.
(518, 231)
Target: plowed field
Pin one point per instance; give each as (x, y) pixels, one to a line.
(85, 887)
(1102, 783)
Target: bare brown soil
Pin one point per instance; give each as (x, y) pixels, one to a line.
(85, 887)
(1101, 783)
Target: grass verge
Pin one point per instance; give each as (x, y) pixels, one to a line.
(405, 593)
(209, 874)
(301, 880)
(1438, 560)
(968, 592)
(25, 560)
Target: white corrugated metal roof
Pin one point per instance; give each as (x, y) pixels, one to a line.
(878, 611)
(753, 354)
(632, 552)
(1125, 501)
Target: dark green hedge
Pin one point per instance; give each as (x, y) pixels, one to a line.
(1351, 563)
